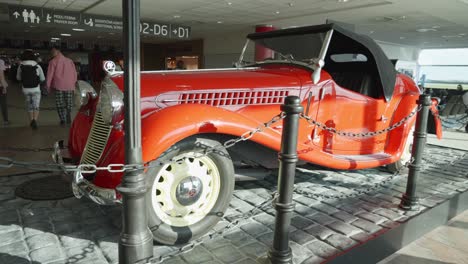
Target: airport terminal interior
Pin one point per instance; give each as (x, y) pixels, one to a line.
(234, 131)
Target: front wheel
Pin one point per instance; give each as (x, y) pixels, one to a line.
(189, 191)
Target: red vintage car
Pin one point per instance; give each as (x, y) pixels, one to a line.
(345, 82)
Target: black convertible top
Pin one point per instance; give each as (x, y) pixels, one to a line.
(345, 41)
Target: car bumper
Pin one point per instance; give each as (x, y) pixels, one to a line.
(80, 186)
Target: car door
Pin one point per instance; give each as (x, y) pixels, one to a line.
(349, 111)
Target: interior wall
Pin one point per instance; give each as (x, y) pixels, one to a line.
(222, 50)
(153, 55)
(400, 52)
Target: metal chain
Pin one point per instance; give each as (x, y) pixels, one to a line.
(6, 162)
(333, 130)
(25, 149)
(249, 134)
(358, 192)
(234, 221)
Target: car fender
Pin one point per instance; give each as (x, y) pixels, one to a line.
(397, 137)
(164, 128)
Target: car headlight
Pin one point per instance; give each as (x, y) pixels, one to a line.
(110, 100)
(83, 92)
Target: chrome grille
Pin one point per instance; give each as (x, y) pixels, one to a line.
(97, 140)
(221, 98)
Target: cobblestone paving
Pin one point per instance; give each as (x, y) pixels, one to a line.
(78, 231)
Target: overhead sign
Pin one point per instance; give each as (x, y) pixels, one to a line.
(55, 17)
(48, 17)
(101, 23)
(25, 15)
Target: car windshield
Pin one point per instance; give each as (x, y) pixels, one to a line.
(291, 48)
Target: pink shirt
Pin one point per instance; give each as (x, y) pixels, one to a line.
(61, 74)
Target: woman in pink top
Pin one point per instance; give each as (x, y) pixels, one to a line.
(61, 76)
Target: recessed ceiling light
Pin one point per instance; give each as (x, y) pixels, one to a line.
(65, 34)
(78, 29)
(229, 3)
(402, 37)
(290, 4)
(436, 27)
(277, 12)
(176, 16)
(462, 34)
(343, 1)
(423, 30)
(219, 22)
(55, 38)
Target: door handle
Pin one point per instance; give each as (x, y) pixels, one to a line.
(383, 119)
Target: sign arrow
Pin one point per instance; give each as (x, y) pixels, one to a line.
(174, 31)
(16, 14)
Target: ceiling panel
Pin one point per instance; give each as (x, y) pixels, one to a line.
(388, 20)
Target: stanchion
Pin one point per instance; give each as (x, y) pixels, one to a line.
(280, 252)
(136, 240)
(409, 199)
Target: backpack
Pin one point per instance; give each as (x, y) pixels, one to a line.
(29, 76)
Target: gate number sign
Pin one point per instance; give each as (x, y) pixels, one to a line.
(47, 17)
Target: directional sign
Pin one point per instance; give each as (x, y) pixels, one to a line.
(180, 32)
(101, 23)
(57, 18)
(25, 15)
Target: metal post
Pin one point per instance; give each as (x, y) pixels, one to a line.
(409, 199)
(136, 240)
(280, 252)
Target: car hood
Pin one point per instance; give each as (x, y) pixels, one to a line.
(159, 82)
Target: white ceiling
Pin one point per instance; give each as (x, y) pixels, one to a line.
(396, 21)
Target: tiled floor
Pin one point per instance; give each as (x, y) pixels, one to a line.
(31, 231)
(445, 244)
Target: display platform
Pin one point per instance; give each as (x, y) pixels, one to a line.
(362, 229)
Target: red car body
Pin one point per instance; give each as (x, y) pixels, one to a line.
(338, 107)
(359, 95)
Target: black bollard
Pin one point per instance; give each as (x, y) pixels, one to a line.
(280, 252)
(409, 199)
(136, 240)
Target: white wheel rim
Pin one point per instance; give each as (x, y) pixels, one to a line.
(406, 155)
(163, 191)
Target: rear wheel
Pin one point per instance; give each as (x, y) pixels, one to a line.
(405, 156)
(189, 191)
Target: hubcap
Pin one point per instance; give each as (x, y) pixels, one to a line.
(185, 189)
(189, 190)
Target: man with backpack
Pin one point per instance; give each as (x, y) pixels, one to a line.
(30, 75)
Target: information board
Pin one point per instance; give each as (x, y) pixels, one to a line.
(56, 18)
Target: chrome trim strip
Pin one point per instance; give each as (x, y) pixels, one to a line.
(203, 70)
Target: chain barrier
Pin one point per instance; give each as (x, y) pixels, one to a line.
(235, 220)
(357, 193)
(333, 130)
(25, 149)
(6, 162)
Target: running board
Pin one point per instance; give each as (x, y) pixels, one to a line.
(250, 174)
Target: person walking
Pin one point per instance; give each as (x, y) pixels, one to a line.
(3, 93)
(61, 77)
(30, 75)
